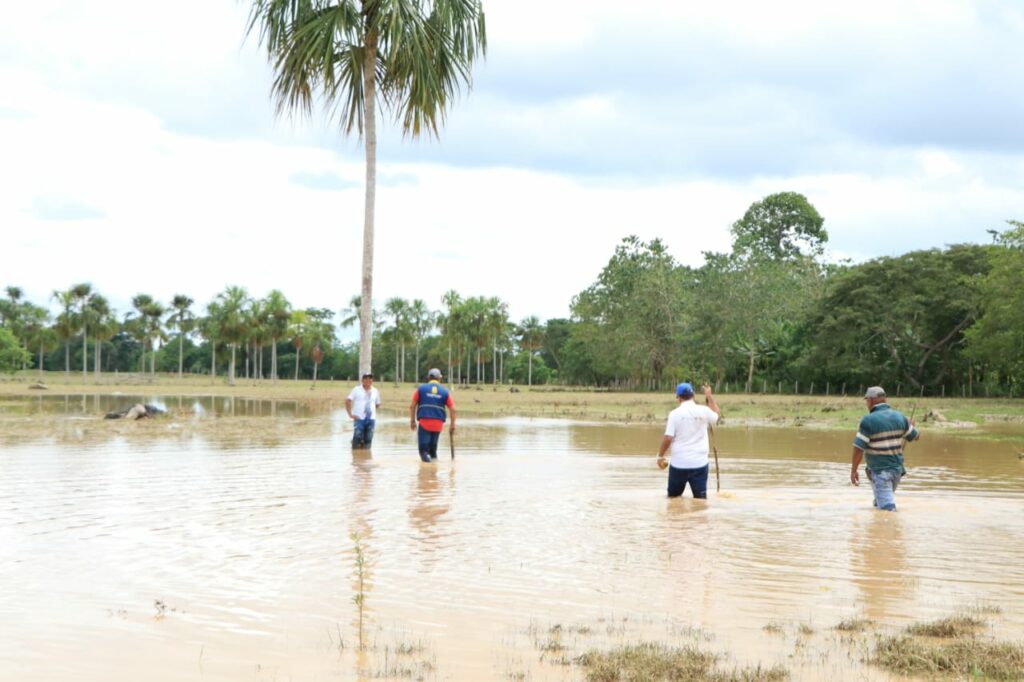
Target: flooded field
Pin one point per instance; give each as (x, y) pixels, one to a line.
(134, 551)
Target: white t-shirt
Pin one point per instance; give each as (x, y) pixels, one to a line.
(688, 427)
(359, 397)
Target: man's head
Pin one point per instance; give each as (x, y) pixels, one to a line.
(684, 391)
(874, 396)
(367, 380)
(434, 373)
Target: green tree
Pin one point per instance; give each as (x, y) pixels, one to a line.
(66, 325)
(12, 313)
(279, 312)
(783, 226)
(182, 320)
(101, 319)
(531, 340)
(411, 55)
(12, 355)
(39, 335)
(638, 303)
(901, 319)
(80, 293)
(996, 339)
(421, 322)
(298, 323)
(231, 321)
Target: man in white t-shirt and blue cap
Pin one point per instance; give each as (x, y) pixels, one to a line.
(687, 435)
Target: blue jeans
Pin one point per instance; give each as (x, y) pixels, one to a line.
(884, 483)
(428, 443)
(362, 434)
(697, 478)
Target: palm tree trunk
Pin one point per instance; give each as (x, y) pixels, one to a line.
(370, 142)
(40, 362)
(750, 366)
(181, 351)
(85, 353)
(416, 372)
(396, 364)
(529, 372)
(298, 351)
(449, 362)
(231, 367)
(97, 356)
(152, 362)
(273, 361)
(213, 361)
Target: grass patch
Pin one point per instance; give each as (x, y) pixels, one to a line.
(968, 657)
(773, 628)
(652, 661)
(853, 625)
(953, 626)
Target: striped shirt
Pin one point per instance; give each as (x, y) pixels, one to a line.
(881, 435)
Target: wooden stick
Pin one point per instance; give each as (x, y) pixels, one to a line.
(451, 442)
(714, 449)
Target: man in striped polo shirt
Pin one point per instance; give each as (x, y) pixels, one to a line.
(880, 439)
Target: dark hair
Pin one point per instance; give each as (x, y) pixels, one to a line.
(367, 376)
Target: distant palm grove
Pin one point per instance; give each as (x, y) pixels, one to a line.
(770, 316)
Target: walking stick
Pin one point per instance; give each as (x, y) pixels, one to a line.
(451, 442)
(714, 449)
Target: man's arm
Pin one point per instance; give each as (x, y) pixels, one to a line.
(412, 414)
(666, 443)
(348, 407)
(858, 455)
(451, 413)
(710, 400)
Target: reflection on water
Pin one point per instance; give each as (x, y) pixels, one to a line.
(538, 522)
(208, 405)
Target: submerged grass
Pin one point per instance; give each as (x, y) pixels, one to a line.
(967, 656)
(653, 661)
(952, 626)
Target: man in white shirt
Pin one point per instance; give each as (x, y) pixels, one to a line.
(361, 405)
(687, 435)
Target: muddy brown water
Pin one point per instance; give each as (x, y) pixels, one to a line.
(197, 559)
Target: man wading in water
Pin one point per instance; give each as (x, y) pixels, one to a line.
(687, 435)
(429, 405)
(880, 437)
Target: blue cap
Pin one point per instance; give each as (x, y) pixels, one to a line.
(684, 390)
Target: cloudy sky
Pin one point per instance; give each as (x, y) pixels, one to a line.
(139, 150)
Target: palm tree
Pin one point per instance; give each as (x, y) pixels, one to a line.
(447, 322)
(153, 323)
(415, 53)
(13, 312)
(182, 320)
(297, 324)
(421, 321)
(100, 317)
(497, 324)
(398, 310)
(230, 310)
(38, 333)
(278, 311)
(136, 324)
(66, 324)
(80, 293)
(531, 339)
(211, 332)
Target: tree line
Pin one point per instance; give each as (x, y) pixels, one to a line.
(770, 315)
